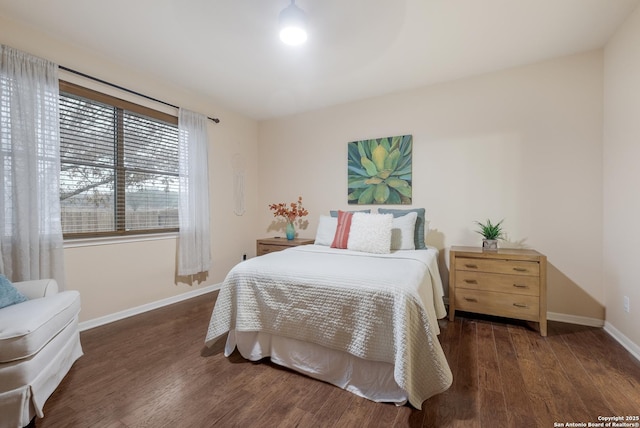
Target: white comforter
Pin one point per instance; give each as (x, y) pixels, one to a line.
(376, 307)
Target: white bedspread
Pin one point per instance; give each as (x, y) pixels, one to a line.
(379, 307)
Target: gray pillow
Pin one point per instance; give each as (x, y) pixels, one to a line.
(9, 295)
(420, 222)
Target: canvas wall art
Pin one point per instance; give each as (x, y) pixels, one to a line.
(379, 171)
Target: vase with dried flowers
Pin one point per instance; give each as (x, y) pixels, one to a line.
(290, 212)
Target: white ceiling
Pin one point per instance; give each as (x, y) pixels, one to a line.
(229, 49)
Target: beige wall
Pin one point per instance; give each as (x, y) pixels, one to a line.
(117, 277)
(622, 178)
(523, 144)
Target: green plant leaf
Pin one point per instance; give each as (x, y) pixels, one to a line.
(354, 153)
(381, 193)
(384, 174)
(391, 162)
(397, 183)
(355, 195)
(404, 191)
(489, 230)
(363, 149)
(372, 146)
(369, 166)
(395, 142)
(385, 143)
(357, 182)
(373, 180)
(406, 144)
(357, 171)
(379, 156)
(366, 197)
(394, 197)
(404, 171)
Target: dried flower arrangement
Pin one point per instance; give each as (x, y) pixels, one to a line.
(290, 211)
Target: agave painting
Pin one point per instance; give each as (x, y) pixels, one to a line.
(379, 171)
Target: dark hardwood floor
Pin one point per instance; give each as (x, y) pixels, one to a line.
(152, 370)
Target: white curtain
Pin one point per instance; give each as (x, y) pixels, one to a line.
(194, 253)
(31, 245)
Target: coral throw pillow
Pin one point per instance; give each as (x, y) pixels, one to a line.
(341, 237)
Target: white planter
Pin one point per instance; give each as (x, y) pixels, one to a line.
(489, 244)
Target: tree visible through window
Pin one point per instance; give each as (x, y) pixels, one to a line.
(119, 166)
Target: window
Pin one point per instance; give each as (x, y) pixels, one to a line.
(119, 166)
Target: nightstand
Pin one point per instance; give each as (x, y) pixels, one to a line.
(506, 282)
(270, 245)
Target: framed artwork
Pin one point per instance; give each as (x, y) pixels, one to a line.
(379, 171)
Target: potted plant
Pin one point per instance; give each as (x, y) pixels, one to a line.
(290, 212)
(491, 233)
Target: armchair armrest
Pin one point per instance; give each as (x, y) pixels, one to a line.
(37, 288)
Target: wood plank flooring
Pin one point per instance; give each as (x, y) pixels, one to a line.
(152, 370)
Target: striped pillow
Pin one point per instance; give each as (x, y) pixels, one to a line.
(341, 237)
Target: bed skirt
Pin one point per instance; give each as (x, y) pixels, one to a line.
(369, 379)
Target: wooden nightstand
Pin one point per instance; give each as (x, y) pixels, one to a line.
(505, 282)
(269, 245)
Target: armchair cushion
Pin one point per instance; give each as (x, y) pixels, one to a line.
(9, 295)
(27, 327)
(36, 288)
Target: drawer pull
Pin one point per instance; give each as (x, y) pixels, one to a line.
(470, 281)
(470, 266)
(471, 299)
(519, 269)
(520, 305)
(520, 285)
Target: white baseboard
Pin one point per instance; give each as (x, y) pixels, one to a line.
(96, 322)
(575, 319)
(623, 340)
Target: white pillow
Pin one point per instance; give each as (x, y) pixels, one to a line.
(403, 231)
(370, 233)
(326, 230)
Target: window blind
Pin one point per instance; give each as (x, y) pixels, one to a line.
(119, 166)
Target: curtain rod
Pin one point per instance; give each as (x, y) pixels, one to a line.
(79, 73)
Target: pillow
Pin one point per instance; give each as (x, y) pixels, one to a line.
(334, 213)
(403, 232)
(9, 295)
(326, 230)
(371, 233)
(420, 223)
(341, 238)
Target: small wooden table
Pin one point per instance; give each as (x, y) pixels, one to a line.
(270, 245)
(506, 282)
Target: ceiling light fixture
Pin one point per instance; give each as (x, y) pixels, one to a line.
(293, 25)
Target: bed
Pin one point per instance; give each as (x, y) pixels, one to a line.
(364, 322)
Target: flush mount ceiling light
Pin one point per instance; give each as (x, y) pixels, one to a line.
(293, 25)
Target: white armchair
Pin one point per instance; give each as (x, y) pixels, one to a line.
(39, 342)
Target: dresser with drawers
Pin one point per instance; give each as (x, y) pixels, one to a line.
(270, 245)
(506, 282)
